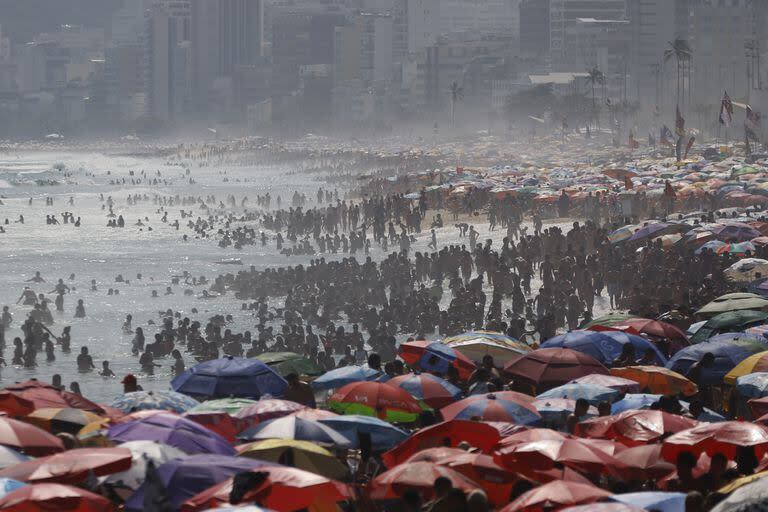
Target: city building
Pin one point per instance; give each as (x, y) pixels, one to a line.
(534, 27)
(563, 19)
(480, 17)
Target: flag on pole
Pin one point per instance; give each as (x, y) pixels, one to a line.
(752, 124)
(726, 110)
(679, 123)
(665, 136)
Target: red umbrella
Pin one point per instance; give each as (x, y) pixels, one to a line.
(435, 454)
(15, 405)
(219, 422)
(544, 477)
(495, 480)
(550, 367)
(412, 351)
(758, 406)
(603, 507)
(506, 406)
(279, 488)
(264, 410)
(416, 475)
(644, 463)
(44, 395)
(544, 455)
(447, 433)
(725, 437)
(610, 381)
(388, 403)
(54, 498)
(28, 438)
(534, 434)
(556, 495)
(71, 467)
(658, 329)
(433, 391)
(635, 427)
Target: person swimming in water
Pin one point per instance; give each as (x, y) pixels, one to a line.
(85, 361)
(106, 371)
(80, 309)
(28, 296)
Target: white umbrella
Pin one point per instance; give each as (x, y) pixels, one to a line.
(142, 452)
(753, 497)
(10, 457)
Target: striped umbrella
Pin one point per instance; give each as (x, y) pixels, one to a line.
(433, 391)
(386, 402)
(477, 344)
(506, 406)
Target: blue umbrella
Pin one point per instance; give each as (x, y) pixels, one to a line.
(172, 430)
(555, 412)
(651, 500)
(183, 478)
(729, 350)
(163, 400)
(10, 457)
(8, 485)
(230, 377)
(712, 245)
(754, 385)
(291, 427)
(343, 376)
(634, 401)
(649, 230)
(605, 346)
(592, 393)
(383, 435)
(437, 358)
(759, 287)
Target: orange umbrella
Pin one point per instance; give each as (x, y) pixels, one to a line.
(28, 438)
(54, 498)
(556, 495)
(416, 475)
(43, 395)
(657, 379)
(725, 437)
(71, 467)
(634, 427)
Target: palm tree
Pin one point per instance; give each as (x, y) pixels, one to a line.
(595, 77)
(681, 51)
(457, 94)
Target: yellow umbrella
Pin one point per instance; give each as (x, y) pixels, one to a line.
(741, 482)
(657, 379)
(94, 434)
(753, 364)
(299, 454)
(56, 419)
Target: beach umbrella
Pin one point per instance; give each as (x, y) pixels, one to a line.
(759, 287)
(735, 232)
(592, 393)
(622, 234)
(343, 376)
(275, 487)
(54, 497)
(9, 485)
(436, 357)
(758, 406)
(479, 435)
(416, 475)
(42, 395)
(377, 399)
(733, 302)
(174, 431)
(291, 427)
(529, 435)
(286, 363)
(61, 420)
(10, 457)
(230, 406)
(753, 385)
(314, 414)
(27, 438)
(477, 344)
(435, 455)
(157, 400)
(267, 409)
(657, 380)
(633, 428)
(710, 438)
(71, 467)
(731, 321)
(608, 320)
(609, 381)
(184, 478)
(752, 497)
(508, 406)
(298, 454)
(549, 367)
(655, 229)
(230, 377)
(142, 452)
(755, 363)
(433, 391)
(555, 495)
(577, 454)
(653, 500)
(728, 350)
(605, 346)
(746, 269)
(657, 329)
(737, 249)
(555, 411)
(632, 401)
(220, 422)
(644, 462)
(602, 507)
(14, 405)
(383, 435)
(495, 480)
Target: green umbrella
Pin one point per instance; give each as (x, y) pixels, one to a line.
(227, 405)
(286, 363)
(733, 302)
(609, 320)
(730, 321)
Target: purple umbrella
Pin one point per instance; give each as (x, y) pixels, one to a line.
(735, 232)
(183, 478)
(172, 430)
(649, 230)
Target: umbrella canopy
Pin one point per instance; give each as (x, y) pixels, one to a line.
(276, 487)
(657, 329)
(230, 406)
(731, 321)
(728, 350)
(752, 497)
(608, 320)
(592, 393)
(733, 302)
(754, 385)
(508, 406)
(435, 356)
(71, 467)
(174, 431)
(752, 364)
(724, 437)
(61, 420)
(605, 346)
(54, 497)
(27, 438)
(383, 435)
(610, 381)
(644, 462)
(746, 269)
(286, 363)
(555, 411)
(602, 507)
(42, 395)
(576, 454)
(480, 435)
(184, 478)
(142, 452)
(10, 457)
(433, 391)
(416, 475)
(477, 344)
(343, 376)
(657, 380)
(298, 454)
(660, 501)
(230, 377)
(633, 428)
(375, 399)
(549, 367)
(634, 401)
(147, 400)
(267, 409)
(557, 494)
(9, 485)
(291, 427)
